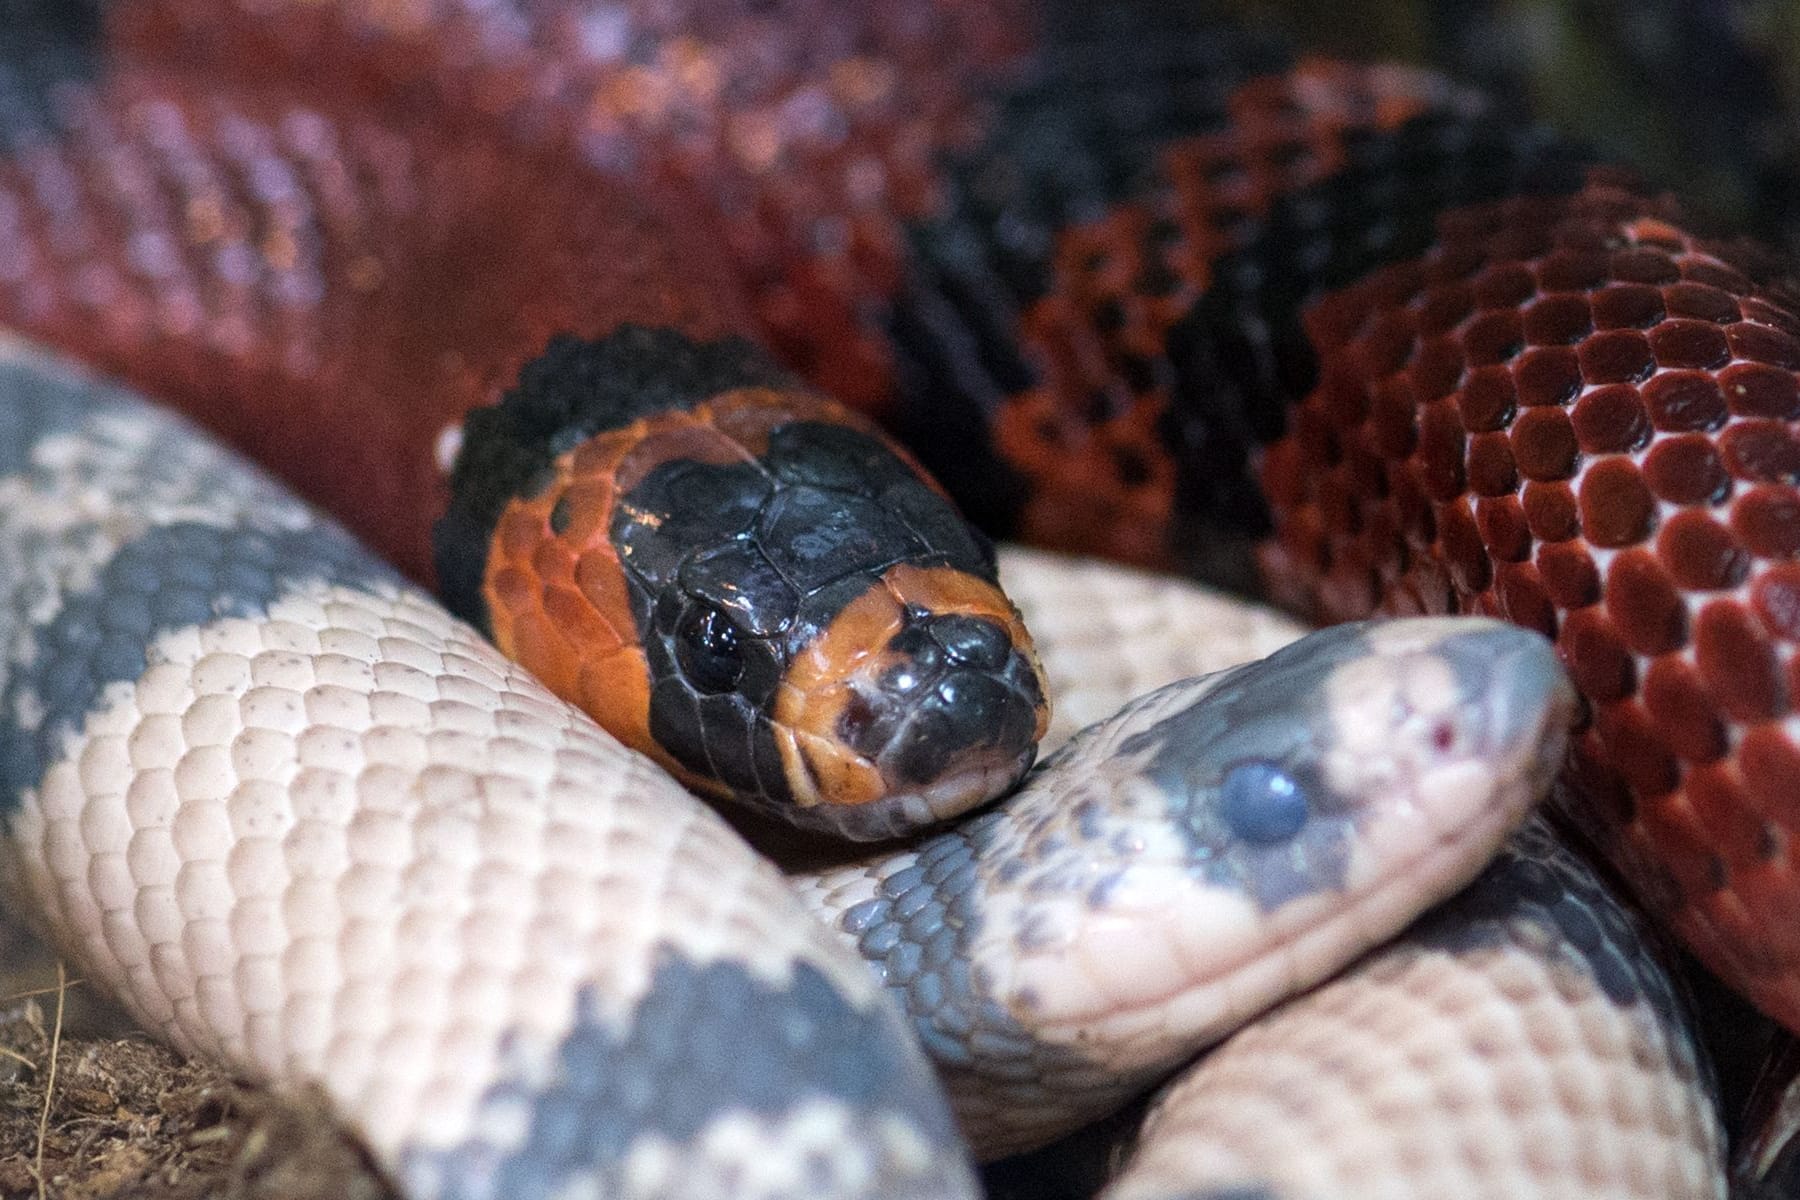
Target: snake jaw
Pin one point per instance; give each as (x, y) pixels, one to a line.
(896, 811)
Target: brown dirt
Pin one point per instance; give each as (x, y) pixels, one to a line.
(129, 1118)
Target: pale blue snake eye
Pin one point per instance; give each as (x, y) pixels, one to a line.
(1261, 803)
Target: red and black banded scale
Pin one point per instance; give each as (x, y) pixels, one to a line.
(1126, 282)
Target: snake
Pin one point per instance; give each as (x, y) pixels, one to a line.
(1124, 282)
(301, 820)
(1532, 967)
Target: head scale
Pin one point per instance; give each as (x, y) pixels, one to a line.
(747, 582)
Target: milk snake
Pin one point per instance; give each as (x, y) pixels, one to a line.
(1127, 284)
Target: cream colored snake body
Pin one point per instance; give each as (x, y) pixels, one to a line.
(302, 822)
(1524, 1039)
(1521, 1040)
(305, 824)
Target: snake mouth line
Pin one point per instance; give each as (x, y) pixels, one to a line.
(901, 812)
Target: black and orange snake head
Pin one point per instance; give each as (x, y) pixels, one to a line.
(748, 583)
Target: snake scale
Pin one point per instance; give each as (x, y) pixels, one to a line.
(304, 822)
(1127, 283)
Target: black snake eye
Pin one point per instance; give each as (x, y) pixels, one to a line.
(707, 648)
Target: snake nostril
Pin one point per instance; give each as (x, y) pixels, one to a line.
(855, 722)
(972, 641)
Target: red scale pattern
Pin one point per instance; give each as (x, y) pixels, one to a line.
(1086, 437)
(284, 275)
(1574, 415)
(808, 135)
(803, 133)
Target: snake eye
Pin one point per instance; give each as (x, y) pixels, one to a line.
(708, 650)
(1262, 803)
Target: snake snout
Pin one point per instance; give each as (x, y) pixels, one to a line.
(948, 713)
(1458, 712)
(1513, 688)
(922, 699)
(978, 701)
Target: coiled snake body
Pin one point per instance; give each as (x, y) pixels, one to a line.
(303, 821)
(1119, 280)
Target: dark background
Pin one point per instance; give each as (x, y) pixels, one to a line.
(1702, 96)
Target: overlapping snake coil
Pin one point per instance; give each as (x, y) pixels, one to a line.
(1126, 282)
